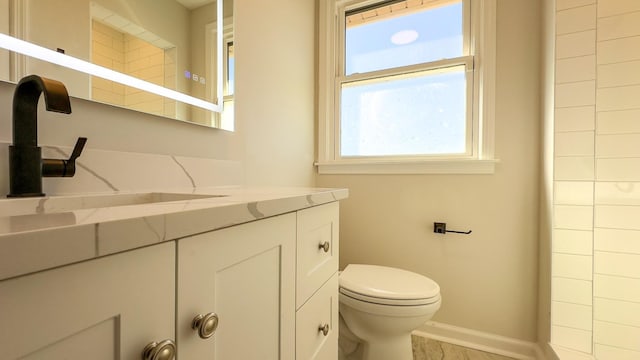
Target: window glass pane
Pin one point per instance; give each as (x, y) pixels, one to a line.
(413, 114)
(401, 33)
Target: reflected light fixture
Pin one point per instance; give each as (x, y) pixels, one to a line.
(404, 37)
(25, 48)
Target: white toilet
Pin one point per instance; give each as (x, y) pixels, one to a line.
(379, 307)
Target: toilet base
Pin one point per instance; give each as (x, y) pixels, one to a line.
(350, 347)
(398, 348)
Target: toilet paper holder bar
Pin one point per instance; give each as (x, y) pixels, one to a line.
(441, 228)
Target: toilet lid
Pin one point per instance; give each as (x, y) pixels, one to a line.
(378, 283)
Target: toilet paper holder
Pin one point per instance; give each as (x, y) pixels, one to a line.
(441, 228)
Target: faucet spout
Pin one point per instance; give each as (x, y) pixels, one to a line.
(26, 165)
(25, 106)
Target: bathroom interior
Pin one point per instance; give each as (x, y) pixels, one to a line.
(550, 269)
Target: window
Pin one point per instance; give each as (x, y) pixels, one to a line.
(406, 86)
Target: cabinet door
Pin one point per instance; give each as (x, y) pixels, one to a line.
(317, 249)
(317, 324)
(104, 309)
(246, 275)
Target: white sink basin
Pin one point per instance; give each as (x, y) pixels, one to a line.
(57, 204)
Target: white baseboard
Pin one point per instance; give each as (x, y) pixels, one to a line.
(496, 344)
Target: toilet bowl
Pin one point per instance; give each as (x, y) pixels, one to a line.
(379, 308)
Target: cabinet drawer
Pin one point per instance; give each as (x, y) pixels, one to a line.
(317, 248)
(321, 310)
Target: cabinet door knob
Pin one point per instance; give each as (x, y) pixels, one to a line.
(324, 246)
(324, 329)
(164, 350)
(206, 325)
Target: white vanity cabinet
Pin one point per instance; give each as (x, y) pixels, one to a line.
(317, 283)
(245, 275)
(262, 290)
(105, 309)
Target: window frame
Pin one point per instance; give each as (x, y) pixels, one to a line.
(479, 60)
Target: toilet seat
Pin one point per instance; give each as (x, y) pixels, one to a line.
(387, 286)
(390, 302)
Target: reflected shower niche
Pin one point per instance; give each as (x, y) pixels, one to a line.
(127, 48)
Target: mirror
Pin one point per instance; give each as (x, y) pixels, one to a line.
(172, 58)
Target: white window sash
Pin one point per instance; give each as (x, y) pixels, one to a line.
(435, 67)
(478, 47)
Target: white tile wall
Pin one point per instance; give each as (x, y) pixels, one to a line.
(615, 98)
(576, 242)
(576, 119)
(574, 168)
(576, 44)
(573, 217)
(622, 336)
(619, 145)
(618, 50)
(576, 94)
(576, 19)
(617, 217)
(571, 315)
(596, 260)
(567, 4)
(618, 74)
(604, 352)
(577, 267)
(616, 311)
(618, 122)
(572, 290)
(617, 264)
(573, 193)
(577, 143)
(615, 287)
(619, 26)
(616, 7)
(617, 193)
(617, 240)
(571, 338)
(574, 69)
(618, 169)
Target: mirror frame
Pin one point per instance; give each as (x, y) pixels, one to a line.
(38, 52)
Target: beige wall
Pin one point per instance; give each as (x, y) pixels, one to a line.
(275, 57)
(274, 93)
(489, 278)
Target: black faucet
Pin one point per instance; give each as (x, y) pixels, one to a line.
(26, 165)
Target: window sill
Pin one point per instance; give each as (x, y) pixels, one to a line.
(453, 166)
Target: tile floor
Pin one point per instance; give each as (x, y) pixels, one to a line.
(428, 349)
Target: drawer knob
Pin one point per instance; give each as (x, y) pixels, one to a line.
(324, 246)
(206, 325)
(324, 329)
(164, 350)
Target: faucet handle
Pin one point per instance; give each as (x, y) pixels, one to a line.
(77, 149)
(63, 168)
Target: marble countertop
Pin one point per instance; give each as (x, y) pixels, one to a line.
(42, 236)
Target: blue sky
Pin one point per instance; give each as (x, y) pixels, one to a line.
(369, 46)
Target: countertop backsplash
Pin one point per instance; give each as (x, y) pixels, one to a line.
(101, 171)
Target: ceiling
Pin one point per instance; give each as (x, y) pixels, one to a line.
(192, 4)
